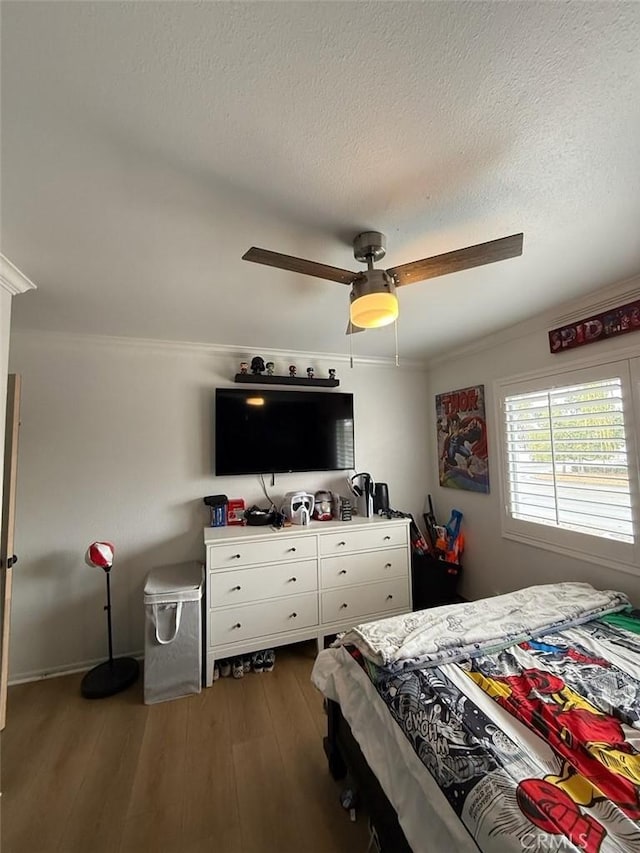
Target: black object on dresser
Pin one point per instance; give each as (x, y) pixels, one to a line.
(434, 581)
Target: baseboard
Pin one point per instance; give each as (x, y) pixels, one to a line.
(66, 669)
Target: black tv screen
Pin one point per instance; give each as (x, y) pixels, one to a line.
(271, 432)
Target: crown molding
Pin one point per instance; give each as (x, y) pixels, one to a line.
(623, 294)
(575, 360)
(574, 309)
(12, 280)
(234, 351)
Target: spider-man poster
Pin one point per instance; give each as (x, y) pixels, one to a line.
(462, 440)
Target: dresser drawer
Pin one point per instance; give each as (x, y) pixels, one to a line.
(364, 567)
(287, 578)
(235, 624)
(351, 603)
(240, 553)
(363, 540)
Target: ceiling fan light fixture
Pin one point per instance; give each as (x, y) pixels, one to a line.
(373, 291)
(373, 300)
(374, 310)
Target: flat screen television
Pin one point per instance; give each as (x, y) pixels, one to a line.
(273, 432)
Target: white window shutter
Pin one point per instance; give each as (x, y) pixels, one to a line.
(567, 459)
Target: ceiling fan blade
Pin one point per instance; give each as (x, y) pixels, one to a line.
(300, 265)
(353, 330)
(461, 259)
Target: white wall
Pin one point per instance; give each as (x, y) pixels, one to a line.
(494, 564)
(116, 444)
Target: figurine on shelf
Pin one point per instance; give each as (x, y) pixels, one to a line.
(292, 371)
(244, 367)
(310, 372)
(332, 373)
(270, 365)
(257, 365)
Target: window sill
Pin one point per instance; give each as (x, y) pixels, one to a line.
(576, 554)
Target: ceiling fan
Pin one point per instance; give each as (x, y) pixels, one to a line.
(373, 291)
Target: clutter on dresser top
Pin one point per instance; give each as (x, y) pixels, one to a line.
(365, 499)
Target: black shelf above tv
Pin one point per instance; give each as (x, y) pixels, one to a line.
(266, 379)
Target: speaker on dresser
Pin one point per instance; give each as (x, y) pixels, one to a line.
(380, 498)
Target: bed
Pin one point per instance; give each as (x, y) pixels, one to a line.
(503, 725)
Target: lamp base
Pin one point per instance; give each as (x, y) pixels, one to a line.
(109, 677)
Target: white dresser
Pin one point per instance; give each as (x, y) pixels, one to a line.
(266, 587)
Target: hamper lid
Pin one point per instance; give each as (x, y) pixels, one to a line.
(177, 582)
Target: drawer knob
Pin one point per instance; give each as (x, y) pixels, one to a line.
(389, 597)
(342, 572)
(293, 615)
(291, 549)
(292, 580)
(386, 538)
(387, 565)
(236, 588)
(341, 543)
(235, 556)
(237, 625)
(343, 605)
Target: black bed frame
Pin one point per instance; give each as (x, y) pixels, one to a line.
(345, 757)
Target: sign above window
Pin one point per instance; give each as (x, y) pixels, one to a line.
(600, 327)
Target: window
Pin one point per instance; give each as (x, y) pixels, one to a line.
(569, 466)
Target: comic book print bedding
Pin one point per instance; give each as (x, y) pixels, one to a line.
(460, 631)
(537, 746)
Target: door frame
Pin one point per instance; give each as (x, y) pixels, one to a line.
(7, 558)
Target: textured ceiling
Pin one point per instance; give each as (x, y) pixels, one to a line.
(146, 146)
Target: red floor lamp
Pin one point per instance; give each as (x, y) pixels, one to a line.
(115, 674)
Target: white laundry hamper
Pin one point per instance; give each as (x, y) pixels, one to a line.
(173, 632)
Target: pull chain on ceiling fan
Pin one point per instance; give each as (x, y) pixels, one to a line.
(373, 299)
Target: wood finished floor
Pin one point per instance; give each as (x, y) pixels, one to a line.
(236, 769)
